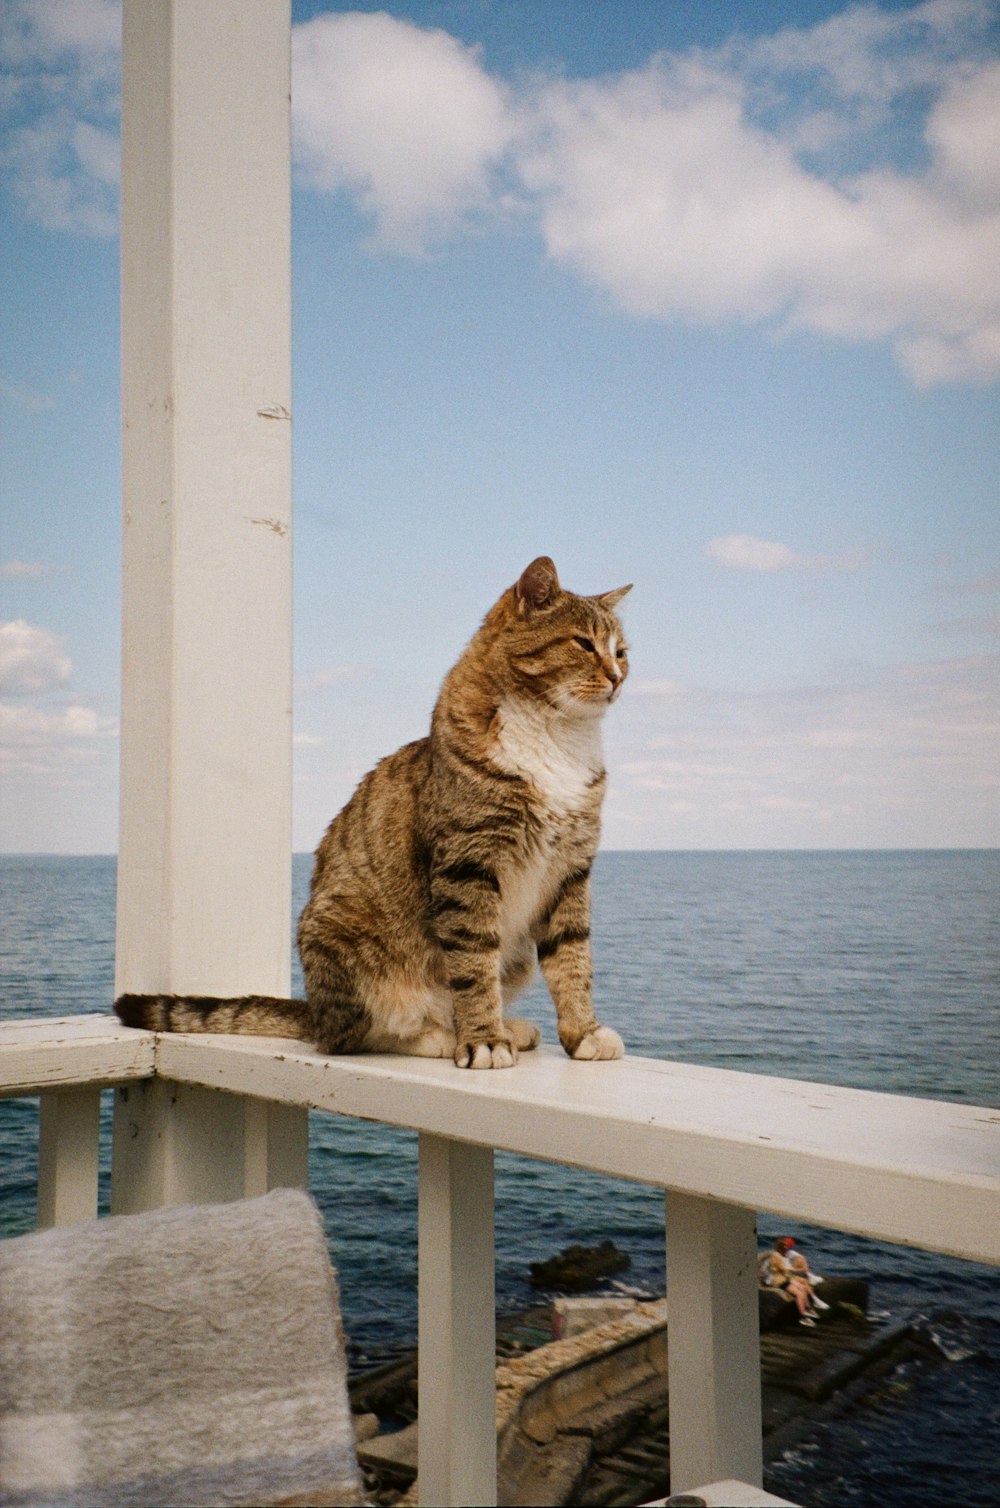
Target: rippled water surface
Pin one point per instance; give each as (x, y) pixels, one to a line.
(877, 970)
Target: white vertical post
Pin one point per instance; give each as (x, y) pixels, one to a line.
(175, 1144)
(68, 1145)
(185, 1144)
(457, 1443)
(276, 1146)
(204, 869)
(713, 1339)
(204, 881)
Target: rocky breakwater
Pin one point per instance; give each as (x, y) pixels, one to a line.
(561, 1403)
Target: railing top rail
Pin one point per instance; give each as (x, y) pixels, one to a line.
(66, 1051)
(919, 1172)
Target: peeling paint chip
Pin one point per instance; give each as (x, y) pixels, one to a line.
(274, 411)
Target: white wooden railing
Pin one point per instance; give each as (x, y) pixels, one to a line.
(201, 1118)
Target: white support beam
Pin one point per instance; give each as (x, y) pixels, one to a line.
(922, 1172)
(276, 1147)
(713, 1343)
(68, 1146)
(176, 1144)
(204, 865)
(186, 1144)
(457, 1447)
(53, 1053)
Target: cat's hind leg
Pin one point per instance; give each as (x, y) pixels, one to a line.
(341, 1019)
(525, 1033)
(516, 973)
(416, 1023)
(436, 1042)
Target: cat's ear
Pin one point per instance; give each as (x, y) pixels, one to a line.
(538, 586)
(612, 599)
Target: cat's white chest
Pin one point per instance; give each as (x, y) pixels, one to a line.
(561, 757)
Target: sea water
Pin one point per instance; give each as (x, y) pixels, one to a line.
(879, 970)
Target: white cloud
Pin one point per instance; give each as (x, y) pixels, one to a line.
(31, 726)
(25, 398)
(660, 187)
(406, 117)
(51, 166)
(53, 747)
(13, 570)
(325, 676)
(742, 552)
(745, 552)
(98, 153)
(686, 189)
(36, 32)
(987, 623)
(841, 178)
(978, 586)
(902, 757)
(654, 186)
(866, 56)
(61, 64)
(933, 359)
(655, 686)
(963, 131)
(32, 659)
(47, 743)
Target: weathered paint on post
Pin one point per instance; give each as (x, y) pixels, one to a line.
(175, 1144)
(187, 1144)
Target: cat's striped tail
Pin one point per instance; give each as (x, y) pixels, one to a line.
(249, 1016)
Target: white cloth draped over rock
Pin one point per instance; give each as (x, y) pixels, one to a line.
(186, 1356)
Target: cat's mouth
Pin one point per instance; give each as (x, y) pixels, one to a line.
(596, 701)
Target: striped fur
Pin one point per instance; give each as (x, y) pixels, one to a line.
(462, 859)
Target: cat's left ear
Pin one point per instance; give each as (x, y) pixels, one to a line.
(612, 599)
(538, 586)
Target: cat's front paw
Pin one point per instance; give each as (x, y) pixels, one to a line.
(602, 1042)
(498, 1054)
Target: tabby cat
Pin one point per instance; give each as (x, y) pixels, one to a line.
(461, 858)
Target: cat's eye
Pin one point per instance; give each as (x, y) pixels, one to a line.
(587, 644)
(619, 654)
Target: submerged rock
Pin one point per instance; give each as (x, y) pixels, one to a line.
(577, 1268)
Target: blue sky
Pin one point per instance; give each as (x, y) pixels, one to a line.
(698, 296)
